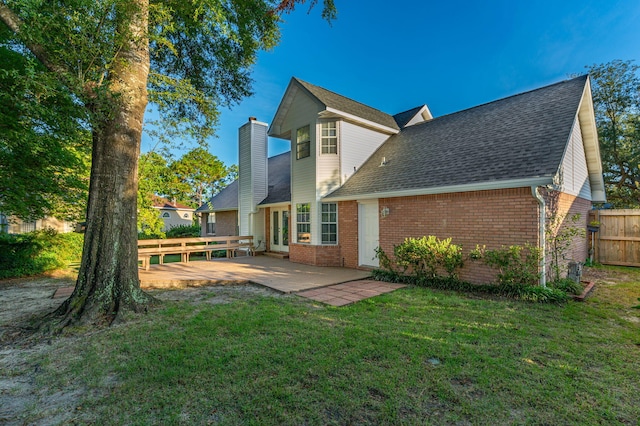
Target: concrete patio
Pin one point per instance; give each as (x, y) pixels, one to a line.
(278, 274)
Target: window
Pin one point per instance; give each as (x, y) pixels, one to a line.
(303, 216)
(329, 140)
(303, 142)
(29, 226)
(186, 215)
(4, 224)
(329, 223)
(166, 214)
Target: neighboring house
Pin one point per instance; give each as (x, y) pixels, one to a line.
(173, 214)
(361, 179)
(14, 225)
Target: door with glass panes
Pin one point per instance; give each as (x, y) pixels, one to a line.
(280, 229)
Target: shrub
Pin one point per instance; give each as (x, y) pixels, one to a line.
(567, 285)
(181, 231)
(427, 256)
(37, 252)
(517, 265)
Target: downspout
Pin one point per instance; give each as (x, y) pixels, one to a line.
(542, 234)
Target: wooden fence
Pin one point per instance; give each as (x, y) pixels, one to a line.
(617, 242)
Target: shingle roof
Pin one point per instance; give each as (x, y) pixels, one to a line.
(279, 169)
(227, 199)
(279, 179)
(402, 118)
(344, 104)
(519, 137)
(164, 204)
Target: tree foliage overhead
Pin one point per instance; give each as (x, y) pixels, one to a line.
(44, 145)
(616, 97)
(111, 57)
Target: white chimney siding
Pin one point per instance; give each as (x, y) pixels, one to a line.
(252, 173)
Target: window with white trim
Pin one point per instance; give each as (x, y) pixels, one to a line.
(329, 138)
(329, 223)
(303, 142)
(303, 222)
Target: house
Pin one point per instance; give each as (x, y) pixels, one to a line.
(360, 178)
(172, 213)
(15, 225)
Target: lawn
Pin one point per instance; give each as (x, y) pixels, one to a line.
(415, 356)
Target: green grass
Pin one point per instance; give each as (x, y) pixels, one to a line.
(415, 356)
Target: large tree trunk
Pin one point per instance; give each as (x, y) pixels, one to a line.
(108, 280)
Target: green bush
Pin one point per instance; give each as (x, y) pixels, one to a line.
(182, 231)
(426, 257)
(517, 265)
(37, 252)
(567, 285)
(527, 293)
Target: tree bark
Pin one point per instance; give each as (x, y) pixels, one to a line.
(108, 282)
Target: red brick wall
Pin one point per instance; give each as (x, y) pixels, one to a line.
(492, 218)
(227, 223)
(564, 206)
(348, 232)
(315, 255)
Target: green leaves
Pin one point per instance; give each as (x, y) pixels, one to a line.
(44, 144)
(616, 96)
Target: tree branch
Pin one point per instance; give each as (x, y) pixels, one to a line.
(14, 23)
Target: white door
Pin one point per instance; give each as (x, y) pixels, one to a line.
(368, 238)
(280, 229)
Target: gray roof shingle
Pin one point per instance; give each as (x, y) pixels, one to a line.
(279, 179)
(402, 118)
(279, 169)
(227, 199)
(344, 104)
(519, 137)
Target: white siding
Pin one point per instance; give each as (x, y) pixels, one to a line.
(252, 171)
(574, 176)
(303, 111)
(356, 144)
(328, 171)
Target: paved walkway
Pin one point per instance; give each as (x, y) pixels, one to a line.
(278, 274)
(350, 292)
(330, 285)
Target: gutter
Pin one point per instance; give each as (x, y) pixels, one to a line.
(542, 234)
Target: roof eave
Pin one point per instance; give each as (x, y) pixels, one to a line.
(586, 117)
(482, 186)
(364, 122)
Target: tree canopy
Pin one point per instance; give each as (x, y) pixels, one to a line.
(44, 145)
(190, 179)
(110, 58)
(616, 97)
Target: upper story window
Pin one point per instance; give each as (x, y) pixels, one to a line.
(186, 215)
(166, 215)
(303, 142)
(329, 138)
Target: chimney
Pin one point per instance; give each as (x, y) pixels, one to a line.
(252, 172)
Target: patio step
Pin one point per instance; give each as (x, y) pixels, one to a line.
(277, 254)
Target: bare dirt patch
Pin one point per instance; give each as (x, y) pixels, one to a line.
(25, 401)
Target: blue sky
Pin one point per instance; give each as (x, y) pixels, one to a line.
(450, 55)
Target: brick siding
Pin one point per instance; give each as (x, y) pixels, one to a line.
(227, 223)
(493, 218)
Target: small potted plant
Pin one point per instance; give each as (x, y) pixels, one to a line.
(593, 226)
